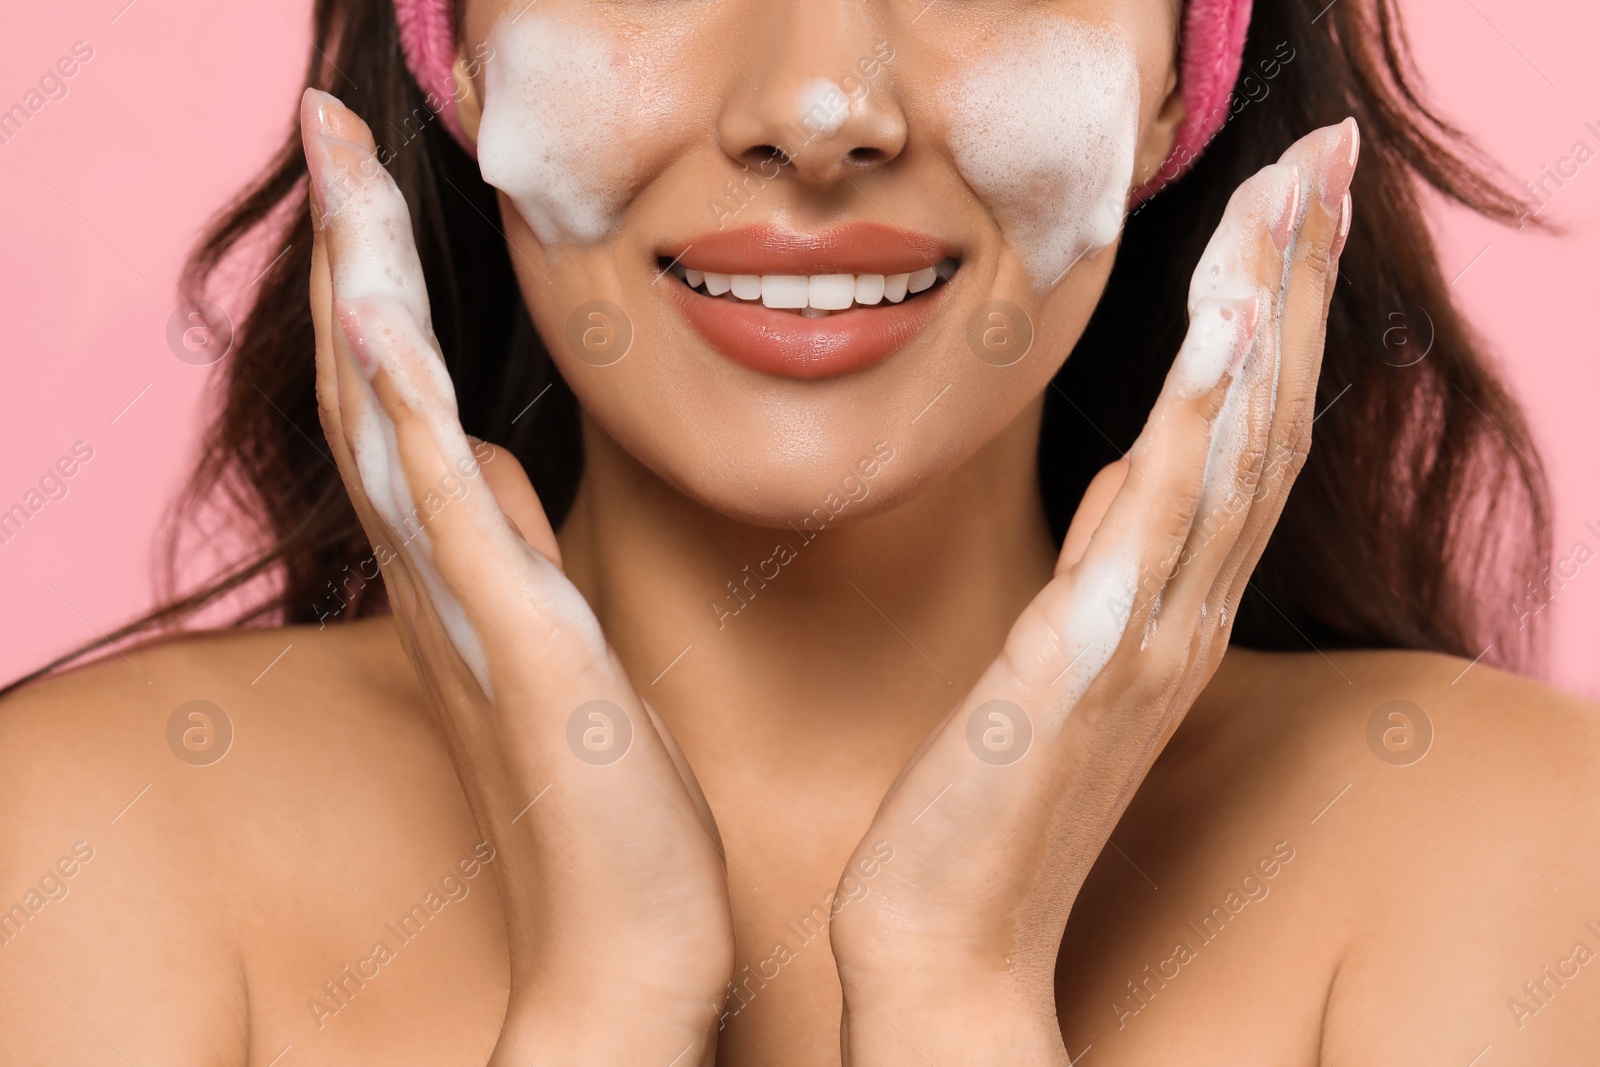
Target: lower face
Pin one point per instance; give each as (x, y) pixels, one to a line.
(770, 245)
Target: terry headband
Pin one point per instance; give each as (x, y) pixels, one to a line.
(1208, 65)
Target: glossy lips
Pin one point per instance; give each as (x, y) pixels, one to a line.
(809, 305)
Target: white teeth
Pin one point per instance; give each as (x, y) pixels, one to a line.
(830, 292)
(787, 291)
(869, 289)
(817, 295)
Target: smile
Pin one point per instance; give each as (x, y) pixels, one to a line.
(816, 296)
(809, 305)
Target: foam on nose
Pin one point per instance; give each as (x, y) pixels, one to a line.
(823, 107)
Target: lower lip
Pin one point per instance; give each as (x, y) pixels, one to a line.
(790, 345)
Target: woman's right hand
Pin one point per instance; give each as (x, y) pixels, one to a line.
(609, 867)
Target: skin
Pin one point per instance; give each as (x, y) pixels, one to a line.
(369, 760)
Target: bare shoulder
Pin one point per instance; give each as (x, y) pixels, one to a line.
(1449, 814)
(154, 715)
(158, 803)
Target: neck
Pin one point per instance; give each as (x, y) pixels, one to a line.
(852, 635)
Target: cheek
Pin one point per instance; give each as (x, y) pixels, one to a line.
(1044, 127)
(570, 115)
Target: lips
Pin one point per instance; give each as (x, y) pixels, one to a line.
(809, 305)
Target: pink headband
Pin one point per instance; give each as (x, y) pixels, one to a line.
(1213, 46)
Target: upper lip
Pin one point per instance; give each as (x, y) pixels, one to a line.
(853, 248)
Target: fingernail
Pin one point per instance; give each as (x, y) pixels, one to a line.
(1339, 163)
(1346, 209)
(1289, 218)
(317, 102)
(356, 339)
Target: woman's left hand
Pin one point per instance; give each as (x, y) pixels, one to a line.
(996, 821)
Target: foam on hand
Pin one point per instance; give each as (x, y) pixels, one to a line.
(1091, 628)
(377, 269)
(378, 287)
(1228, 273)
(1044, 127)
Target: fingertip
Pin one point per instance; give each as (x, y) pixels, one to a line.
(314, 107)
(323, 114)
(1091, 511)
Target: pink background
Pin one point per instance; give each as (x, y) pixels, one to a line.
(105, 189)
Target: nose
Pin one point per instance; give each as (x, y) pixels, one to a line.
(815, 94)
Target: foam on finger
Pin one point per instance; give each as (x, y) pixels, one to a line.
(380, 299)
(1231, 269)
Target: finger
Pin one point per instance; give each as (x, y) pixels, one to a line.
(1091, 512)
(364, 235)
(492, 590)
(1118, 585)
(1327, 157)
(515, 493)
(343, 400)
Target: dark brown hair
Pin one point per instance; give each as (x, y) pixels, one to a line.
(1419, 513)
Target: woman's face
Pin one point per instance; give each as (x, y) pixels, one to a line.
(713, 205)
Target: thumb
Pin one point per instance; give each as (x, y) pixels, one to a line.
(512, 490)
(1091, 510)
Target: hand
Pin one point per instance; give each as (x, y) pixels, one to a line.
(620, 930)
(997, 819)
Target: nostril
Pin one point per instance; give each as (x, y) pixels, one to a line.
(763, 153)
(865, 157)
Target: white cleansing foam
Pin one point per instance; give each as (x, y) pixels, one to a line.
(1044, 126)
(823, 107)
(553, 134)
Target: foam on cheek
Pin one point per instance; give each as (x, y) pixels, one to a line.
(1044, 128)
(561, 101)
